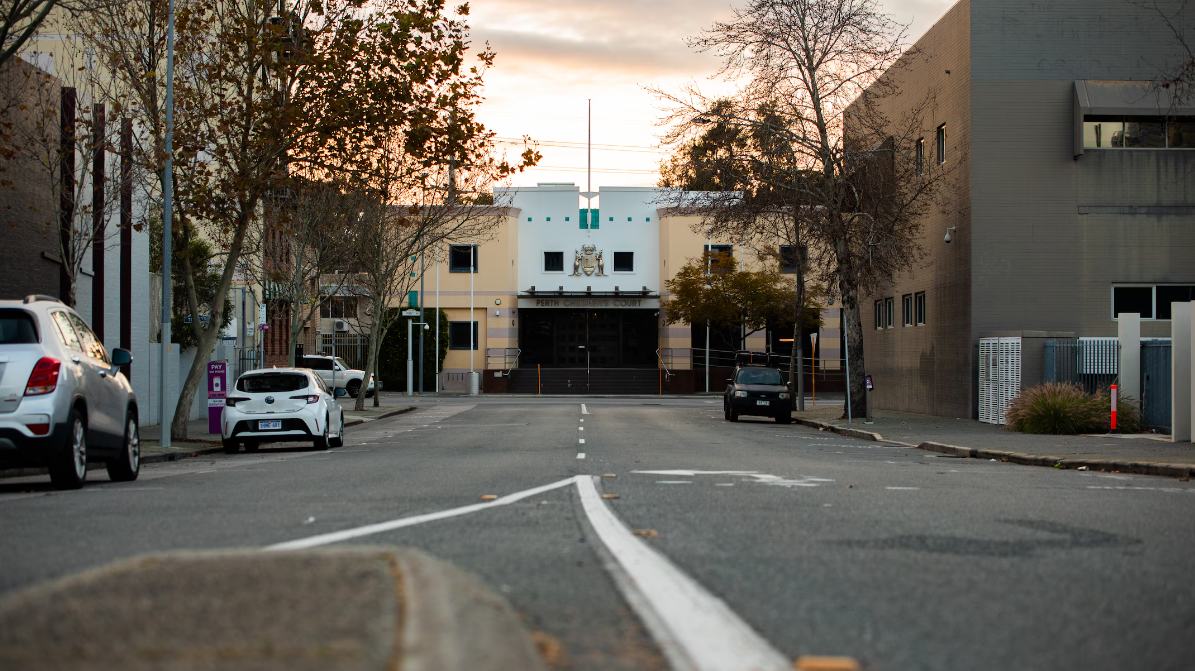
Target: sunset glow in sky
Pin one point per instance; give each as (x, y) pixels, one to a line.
(555, 54)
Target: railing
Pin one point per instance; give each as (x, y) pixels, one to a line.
(351, 347)
(1091, 364)
(663, 366)
(505, 358)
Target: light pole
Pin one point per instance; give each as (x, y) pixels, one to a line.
(709, 252)
(410, 360)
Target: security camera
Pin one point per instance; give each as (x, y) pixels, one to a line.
(948, 238)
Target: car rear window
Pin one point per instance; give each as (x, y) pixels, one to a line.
(760, 376)
(272, 382)
(17, 328)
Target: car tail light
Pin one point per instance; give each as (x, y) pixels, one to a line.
(44, 378)
(313, 398)
(233, 400)
(39, 429)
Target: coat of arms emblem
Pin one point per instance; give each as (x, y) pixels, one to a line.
(588, 260)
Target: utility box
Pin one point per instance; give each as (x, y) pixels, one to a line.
(999, 377)
(217, 391)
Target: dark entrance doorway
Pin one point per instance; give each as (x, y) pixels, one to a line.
(588, 338)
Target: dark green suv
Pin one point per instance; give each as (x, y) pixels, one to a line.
(757, 388)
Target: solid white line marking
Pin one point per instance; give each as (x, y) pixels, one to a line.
(583, 410)
(903, 488)
(696, 630)
(580, 441)
(674, 482)
(580, 455)
(370, 529)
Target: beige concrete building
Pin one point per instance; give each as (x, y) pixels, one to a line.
(562, 290)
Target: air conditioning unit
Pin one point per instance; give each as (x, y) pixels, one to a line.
(340, 326)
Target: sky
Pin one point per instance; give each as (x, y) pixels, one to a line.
(554, 55)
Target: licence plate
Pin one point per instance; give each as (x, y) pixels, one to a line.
(763, 403)
(268, 424)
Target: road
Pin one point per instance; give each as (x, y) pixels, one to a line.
(821, 544)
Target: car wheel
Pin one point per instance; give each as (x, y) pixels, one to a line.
(733, 414)
(725, 410)
(353, 388)
(321, 441)
(127, 464)
(338, 441)
(231, 446)
(251, 445)
(69, 468)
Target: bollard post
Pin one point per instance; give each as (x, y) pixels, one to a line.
(1114, 407)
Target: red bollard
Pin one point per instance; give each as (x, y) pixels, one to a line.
(1113, 407)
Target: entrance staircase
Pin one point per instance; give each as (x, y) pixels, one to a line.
(580, 381)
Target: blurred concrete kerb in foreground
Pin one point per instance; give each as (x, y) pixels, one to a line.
(343, 608)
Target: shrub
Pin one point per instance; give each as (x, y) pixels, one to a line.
(1060, 408)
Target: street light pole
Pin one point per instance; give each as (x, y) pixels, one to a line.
(167, 413)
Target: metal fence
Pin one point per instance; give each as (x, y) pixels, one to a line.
(1089, 363)
(351, 347)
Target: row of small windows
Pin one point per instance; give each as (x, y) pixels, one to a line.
(940, 142)
(912, 311)
(1138, 132)
(588, 219)
(1151, 302)
(623, 262)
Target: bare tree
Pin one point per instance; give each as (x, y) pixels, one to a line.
(307, 234)
(1177, 77)
(847, 177)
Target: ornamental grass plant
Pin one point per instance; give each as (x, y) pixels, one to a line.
(1065, 409)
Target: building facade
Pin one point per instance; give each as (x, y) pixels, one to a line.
(1072, 197)
(570, 284)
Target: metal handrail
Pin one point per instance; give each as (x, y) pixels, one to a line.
(667, 373)
(503, 358)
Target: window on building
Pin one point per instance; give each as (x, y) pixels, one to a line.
(553, 262)
(941, 144)
(788, 258)
(879, 316)
(920, 159)
(1133, 299)
(1165, 294)
(339, 307)
(906, 310)
(919, 308)
(458, 335)
(624, 262)
(889, 312)
(460, 257)
(1138, 132)
(723, 254)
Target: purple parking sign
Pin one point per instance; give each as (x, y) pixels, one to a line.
(217, 390)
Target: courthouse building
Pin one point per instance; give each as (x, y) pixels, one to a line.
(569, 297)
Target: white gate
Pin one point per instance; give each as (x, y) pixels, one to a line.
(999, 377)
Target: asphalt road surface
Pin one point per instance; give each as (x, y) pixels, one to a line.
(823, 545)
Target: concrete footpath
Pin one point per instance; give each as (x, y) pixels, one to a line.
(346, 608)
(1148, 454)
(200, 442)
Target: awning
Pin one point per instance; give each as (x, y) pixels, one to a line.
(1122, 98)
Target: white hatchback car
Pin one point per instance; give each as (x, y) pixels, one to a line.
(280, 404)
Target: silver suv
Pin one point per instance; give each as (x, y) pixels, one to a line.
(63, 400)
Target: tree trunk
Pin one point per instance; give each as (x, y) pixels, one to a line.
(182, 411)
(853, 327)
(370, 361)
